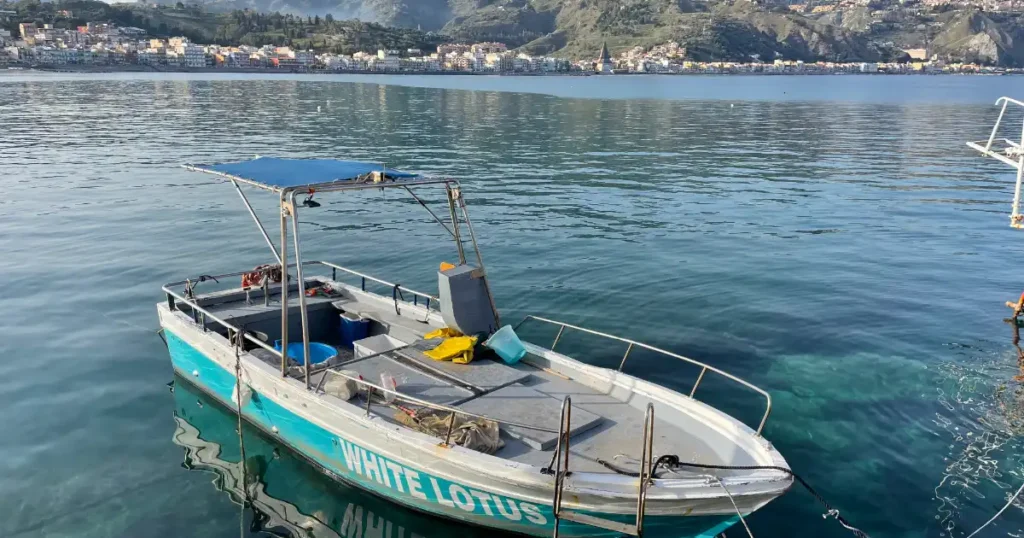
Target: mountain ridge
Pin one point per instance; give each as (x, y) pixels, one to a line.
(735, 30)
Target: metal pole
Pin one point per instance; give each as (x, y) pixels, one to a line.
(284, 286)
(560, 471)
(1015, 216)
(302, 287)
(479, 259)
(703, 371)
(448, 435)
(422, 203)
(624, 357)
(557, 337)
(258, 223)
(455, 223)
(646, 462)
(995, 128)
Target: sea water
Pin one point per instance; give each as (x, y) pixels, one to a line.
(830, 239)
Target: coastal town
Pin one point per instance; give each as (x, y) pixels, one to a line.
(107, 47)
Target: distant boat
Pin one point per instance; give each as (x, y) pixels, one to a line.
(545, 446)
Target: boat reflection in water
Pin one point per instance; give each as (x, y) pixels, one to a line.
(287, 495)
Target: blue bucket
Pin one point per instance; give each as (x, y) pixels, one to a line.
(318, 352)
(507, 345)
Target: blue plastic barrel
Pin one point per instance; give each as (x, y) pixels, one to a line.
(353, 327)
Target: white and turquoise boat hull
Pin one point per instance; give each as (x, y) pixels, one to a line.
(414, 470)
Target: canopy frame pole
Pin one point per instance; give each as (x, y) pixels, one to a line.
(301, 288)
(995, 128)
(455, 223)
(1015, 216)
(259, 224)
(479, 258)
(432, 214)
(285, 288)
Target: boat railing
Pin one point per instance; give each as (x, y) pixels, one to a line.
(173, 296)
(985, 146)
(1008, 152)
(631, 344)
(397, 290)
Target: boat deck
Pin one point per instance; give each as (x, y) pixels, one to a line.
(603, 426)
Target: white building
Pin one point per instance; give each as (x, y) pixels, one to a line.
(387, 60)
(151, 56)
(305, 58)
(192, 55)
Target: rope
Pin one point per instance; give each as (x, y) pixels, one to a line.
(733, 501)
(396, 292)
(1000, 512)
(239, 336)
(670, 461)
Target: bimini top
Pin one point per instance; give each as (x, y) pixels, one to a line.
(278, 174)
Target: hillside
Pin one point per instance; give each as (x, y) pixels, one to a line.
(976, 37)
(709, 30)
(727, 29)
(231, 28)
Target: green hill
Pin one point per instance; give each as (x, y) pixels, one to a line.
(226, 28)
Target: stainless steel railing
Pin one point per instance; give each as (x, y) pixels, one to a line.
(1009, 152)
(428, 299)
(395, 287)
(704, 368)
(206, 314)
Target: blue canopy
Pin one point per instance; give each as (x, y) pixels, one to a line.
(277, 174)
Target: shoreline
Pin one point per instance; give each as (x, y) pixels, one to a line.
(140, 68)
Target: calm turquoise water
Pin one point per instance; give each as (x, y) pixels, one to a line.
(828, 238)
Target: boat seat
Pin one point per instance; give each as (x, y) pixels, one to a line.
(480, 376)
(528, 406)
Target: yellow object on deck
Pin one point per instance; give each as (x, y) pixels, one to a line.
(446, 266)
(443, 332)
(458, 349)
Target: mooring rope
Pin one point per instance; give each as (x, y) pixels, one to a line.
(1000, 512)
(671, 460)
(733, 501)
(239, 338)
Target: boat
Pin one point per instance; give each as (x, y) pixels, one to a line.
(1008, 152)
(308, 351)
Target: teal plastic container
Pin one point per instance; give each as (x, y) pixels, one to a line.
(507, 345)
